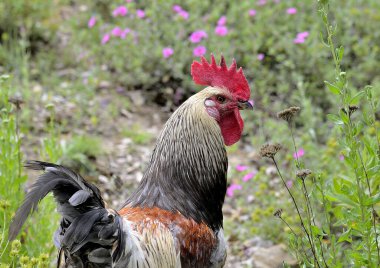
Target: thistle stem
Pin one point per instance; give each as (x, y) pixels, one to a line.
(298, 212)
(298, 166)
(309, 208)
(288, 226)
(294, 233)
(18, 140)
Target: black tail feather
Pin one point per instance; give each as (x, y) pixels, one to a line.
(86, 225)
(64, 183)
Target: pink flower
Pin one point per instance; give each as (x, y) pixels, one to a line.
(252, 12)
(289, 183)
(222, 21)
(301, 37)
(260, 56)
(241, 168)
(199, 51)
(177, 8)
(128, 1)
(299, 153)
(299, 40)
(221, 30)
(197, 36)
(341, 157)
(181, 12)
(105, 39)
(167, 52)
(249, 176)
(124, 33)
(117, 31)
(120, 11)
(140, 13)
(261, 2)
(291, 11)
(232, 188)
(184, 14)
(91, 22)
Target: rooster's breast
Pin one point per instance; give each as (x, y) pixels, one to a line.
(174, 240)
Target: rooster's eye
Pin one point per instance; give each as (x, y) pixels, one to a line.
(220, 99)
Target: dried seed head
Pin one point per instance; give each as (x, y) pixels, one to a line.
(269, 150)
(16, 101)
(352, 109)
(303, 173)
(288, 114)
(278, 213)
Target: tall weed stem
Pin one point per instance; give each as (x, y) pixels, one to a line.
(309, 209)
(298, 212)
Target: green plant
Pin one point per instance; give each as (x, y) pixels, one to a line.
(360, 157)
(137, 135)
(147, 69)
(10, 164)
(32, 22)
(338, 208)
(79, 151)
(12, 179)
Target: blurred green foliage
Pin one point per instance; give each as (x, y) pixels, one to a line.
(136, 62)
(79, 152)
(137, 135)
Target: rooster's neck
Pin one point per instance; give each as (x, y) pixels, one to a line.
(188, 167)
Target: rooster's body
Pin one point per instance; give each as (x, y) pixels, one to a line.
(174, 218)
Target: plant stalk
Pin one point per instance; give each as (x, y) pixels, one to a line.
(298, 212)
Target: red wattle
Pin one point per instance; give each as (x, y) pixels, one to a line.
(231, 126)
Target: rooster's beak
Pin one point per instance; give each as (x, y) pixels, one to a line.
(245, 105)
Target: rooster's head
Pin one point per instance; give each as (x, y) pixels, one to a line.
(227, 93)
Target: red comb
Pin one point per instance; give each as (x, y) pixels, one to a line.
(211, 74)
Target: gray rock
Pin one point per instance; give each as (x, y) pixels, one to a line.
(272, 257)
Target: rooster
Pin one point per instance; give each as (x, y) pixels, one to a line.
(174, 217)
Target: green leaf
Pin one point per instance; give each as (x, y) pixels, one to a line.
(342, 199)
(316, 231)
(335, 119)
(339, 212)
(373, 170)
(333, 89)
(339, 53)
(372, 200)
(336, 185)
(357, 97)
(344, 117)
(368, 91)
(346, 236)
